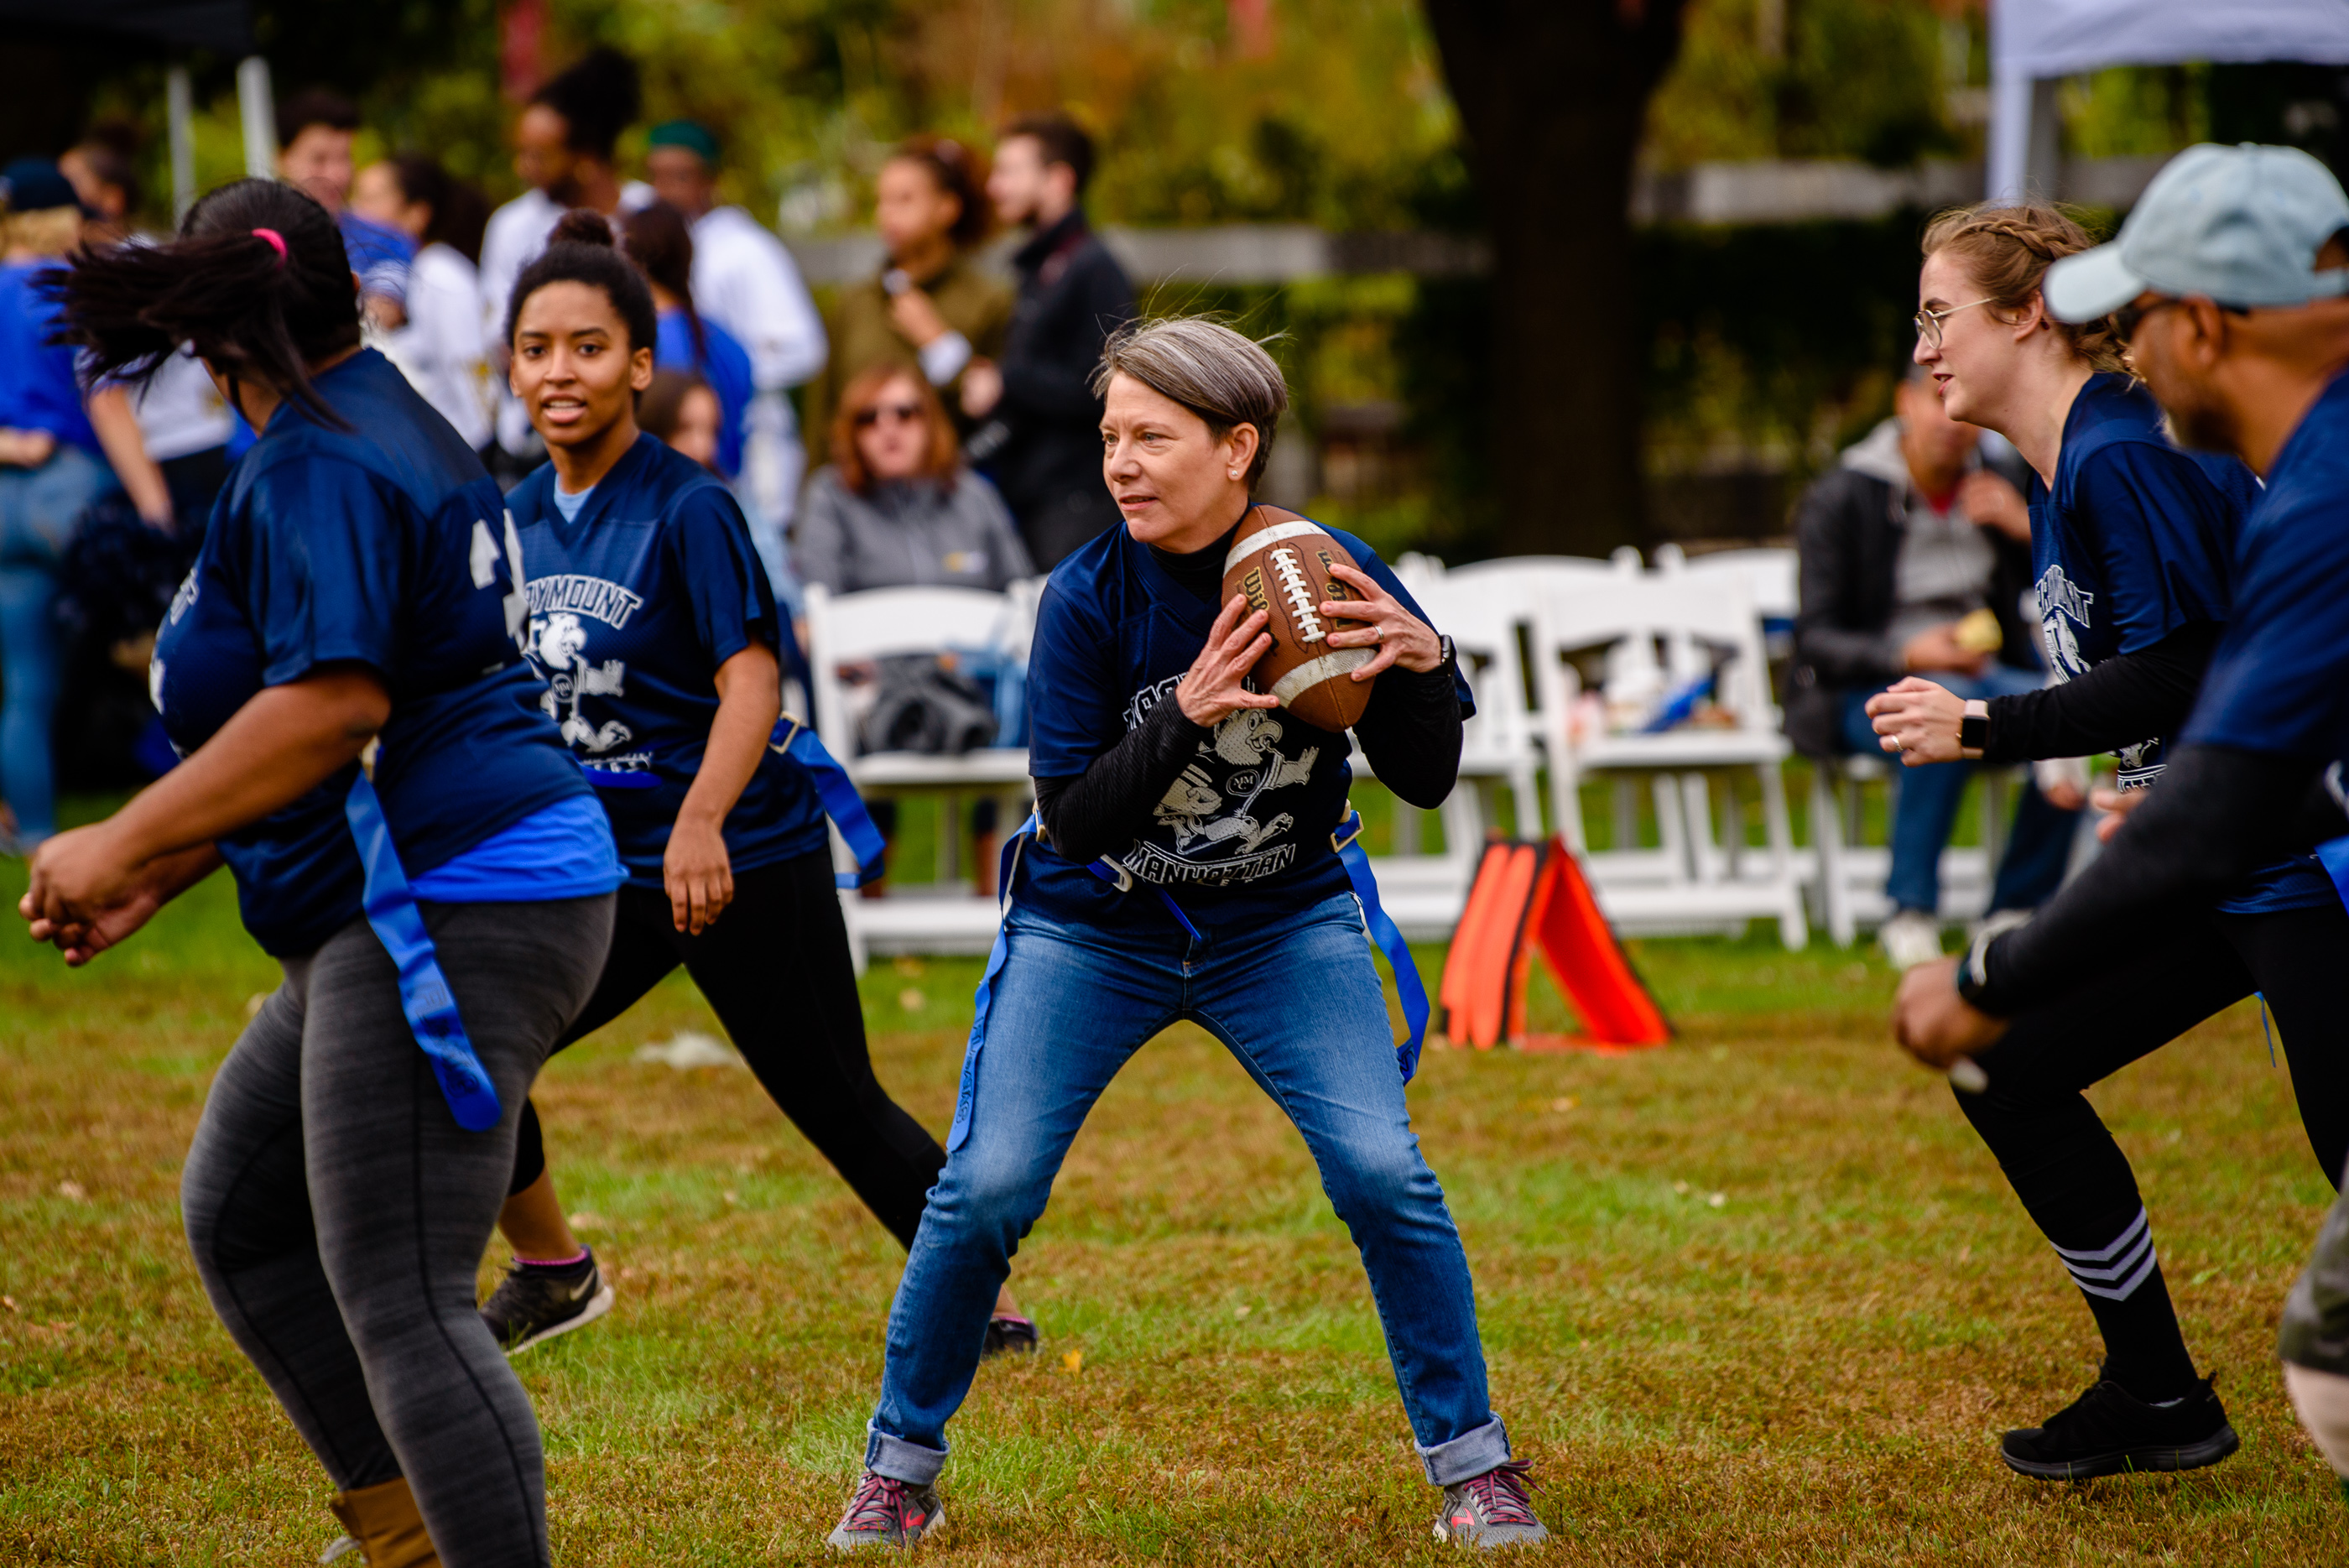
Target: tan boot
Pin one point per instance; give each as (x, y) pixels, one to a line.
(383, 1521)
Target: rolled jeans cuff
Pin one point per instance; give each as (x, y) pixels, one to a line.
(1469, 1455)
(914, 1464)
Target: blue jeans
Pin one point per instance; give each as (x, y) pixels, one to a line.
(1070, 1005)
(39, 509)
(1925, 810)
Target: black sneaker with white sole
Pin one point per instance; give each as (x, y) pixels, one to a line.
(535, 1302)
(887, 1512)
(1491, 1510)
(2108, 1431)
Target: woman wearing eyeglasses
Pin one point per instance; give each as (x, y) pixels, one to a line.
(2133, 544)
(896, 507)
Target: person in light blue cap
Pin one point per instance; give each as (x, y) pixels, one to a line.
(2227, 285)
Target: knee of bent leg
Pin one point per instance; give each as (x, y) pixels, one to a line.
(237, 1218)
(992, 1188)
(1381, 1175)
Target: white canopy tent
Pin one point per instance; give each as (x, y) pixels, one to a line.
(2033, 42)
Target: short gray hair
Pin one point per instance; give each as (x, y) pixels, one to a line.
(1220, 375)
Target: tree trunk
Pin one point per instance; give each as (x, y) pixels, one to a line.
(1553, 95)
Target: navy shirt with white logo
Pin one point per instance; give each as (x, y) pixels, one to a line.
(2135, 540)
(633, 603)
(1243, 833)
(385, 544)
(2279, 681)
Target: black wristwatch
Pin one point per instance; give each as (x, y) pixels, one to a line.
(1973, 731)
(1451, 654)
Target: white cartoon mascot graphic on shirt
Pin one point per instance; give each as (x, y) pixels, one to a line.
(556, 642)
(1203, 815)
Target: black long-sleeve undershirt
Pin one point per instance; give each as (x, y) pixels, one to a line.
(1410, 731)
(2217, 815)
(2124, 700)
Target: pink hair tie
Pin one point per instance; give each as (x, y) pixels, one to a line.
(276, 242)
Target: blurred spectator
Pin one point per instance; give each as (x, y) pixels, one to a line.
(1915, 559)
(896, 507)
(314, 133)
(564, 147)
(54, 445)
(679, 408)
(746, 282)
(661, 246)
(182, 422)
(929, 308)
(441, 350)
(1042, 439)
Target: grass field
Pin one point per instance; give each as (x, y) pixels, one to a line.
(1757, 1297)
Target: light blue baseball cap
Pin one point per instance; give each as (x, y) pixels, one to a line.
(2240, 225)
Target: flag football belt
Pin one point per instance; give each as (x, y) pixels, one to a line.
(833, 790)
(1346, 841)
(424, 994)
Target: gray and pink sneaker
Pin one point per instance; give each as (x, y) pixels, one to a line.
(1491, 1510)
(887, 1512)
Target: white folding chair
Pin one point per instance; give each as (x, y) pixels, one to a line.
(845, 629)
(1695, 880)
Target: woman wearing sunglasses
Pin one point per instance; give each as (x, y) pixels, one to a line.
(652, 624)
(896, 507)
(2133, 544)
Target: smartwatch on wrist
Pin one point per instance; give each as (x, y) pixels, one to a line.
(1973, 731)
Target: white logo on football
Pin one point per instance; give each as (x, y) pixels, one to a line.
(1299, 592)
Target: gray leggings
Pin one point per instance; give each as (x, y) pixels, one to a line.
(338, 1212)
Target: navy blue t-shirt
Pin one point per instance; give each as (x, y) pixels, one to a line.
(633, 607)
(2136, 540)
(1243, 835)
(385, 546)
(2279, 681)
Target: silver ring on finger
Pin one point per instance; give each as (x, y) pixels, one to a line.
(1377, 634)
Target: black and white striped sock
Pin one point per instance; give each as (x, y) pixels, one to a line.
(2145, 1351)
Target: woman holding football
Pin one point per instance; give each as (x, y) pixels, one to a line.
(1185, 867)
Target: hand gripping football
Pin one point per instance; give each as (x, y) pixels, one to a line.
(1281, 563)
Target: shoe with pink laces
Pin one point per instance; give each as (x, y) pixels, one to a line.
(887, 1512)
(1491, 1510)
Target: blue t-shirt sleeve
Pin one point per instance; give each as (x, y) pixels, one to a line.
(710, 549)
(1073, 704)
(2275, 684)
(325, 571)
(1384, 575)
(2163, 531)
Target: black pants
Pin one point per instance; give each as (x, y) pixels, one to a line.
(776, 970)
(2062, 1162)
(337, 1213)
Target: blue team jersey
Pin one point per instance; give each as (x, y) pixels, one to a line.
(381, 255)
(2279, 681)
(726, 367)
(384, 545)
(2135, 540)
(633, 607)
(1243, 835)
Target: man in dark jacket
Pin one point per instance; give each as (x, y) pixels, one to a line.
(1041, 441)
(1912, 550)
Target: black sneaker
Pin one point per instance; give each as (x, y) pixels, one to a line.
(2108, 1431)
(535, 1302)
(1006, 1333)
(887, 1512)
(1491, 1510)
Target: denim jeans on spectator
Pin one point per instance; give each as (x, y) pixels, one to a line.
(39, 508)
(1299, 1004)
(1925, 809)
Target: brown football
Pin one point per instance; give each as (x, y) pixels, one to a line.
(1281, 563)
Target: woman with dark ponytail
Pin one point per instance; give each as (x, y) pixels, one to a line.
(361, 744)
(660, 243)
(656, 630)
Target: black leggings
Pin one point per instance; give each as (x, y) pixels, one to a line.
(776, 970)
(2062, 1162)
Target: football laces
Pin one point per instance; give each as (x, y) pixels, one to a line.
(1298, 591)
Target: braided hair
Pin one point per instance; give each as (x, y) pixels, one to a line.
(2007, 251)
(257, 282)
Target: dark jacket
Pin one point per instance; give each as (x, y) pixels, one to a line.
(1043, 447)
(1848, 533)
